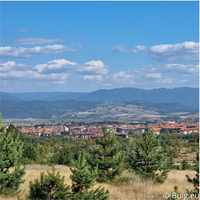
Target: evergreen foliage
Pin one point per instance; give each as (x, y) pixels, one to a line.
(11, 148)
(50, 186)
(84, 178)
(30, 152)
(148, 160)
(108, 157)
(63, 156)
(185, 165)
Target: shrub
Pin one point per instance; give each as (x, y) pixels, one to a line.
(50, 186)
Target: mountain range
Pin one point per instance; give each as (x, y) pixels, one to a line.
(120, 103)
(183, 95)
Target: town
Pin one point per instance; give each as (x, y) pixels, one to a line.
(93, 131)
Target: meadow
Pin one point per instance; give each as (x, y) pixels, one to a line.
(134, 189)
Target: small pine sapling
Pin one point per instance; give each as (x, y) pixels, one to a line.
(49, 187)
(84, 178)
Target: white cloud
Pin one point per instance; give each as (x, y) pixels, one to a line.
(157, 76)
(187, 51)
(121, 48)
(118, 48)
(55, 64)
(88, 68)
(28, 74)
(34, 40)
(92, 77)
(94, 67)
(22, 52)
(122, 76)
(7, 66)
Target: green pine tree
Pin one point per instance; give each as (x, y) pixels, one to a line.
(108, 156)
(50, 186)
(84, 178)
(148, 159)
(11, 149)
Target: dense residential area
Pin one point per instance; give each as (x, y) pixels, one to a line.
(92, 131)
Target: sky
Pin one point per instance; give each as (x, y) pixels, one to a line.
(75, 46)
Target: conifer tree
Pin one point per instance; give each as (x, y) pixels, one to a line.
(108, 156)
(11, 148)
(50, 186)
(148, 160)
(84, 178)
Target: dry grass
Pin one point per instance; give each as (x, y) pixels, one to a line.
(133, 190)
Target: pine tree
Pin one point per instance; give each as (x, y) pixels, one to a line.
(84, 178)
(49, 187)
(11, 148)
(108, 156)
(148, 160)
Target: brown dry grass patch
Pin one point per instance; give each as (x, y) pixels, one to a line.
(128, 191)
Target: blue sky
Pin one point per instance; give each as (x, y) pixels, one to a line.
(86, 46)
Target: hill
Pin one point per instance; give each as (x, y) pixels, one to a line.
(187, 96)
(184, 95)
(71, 109)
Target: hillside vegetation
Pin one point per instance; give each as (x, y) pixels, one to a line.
(73, 109)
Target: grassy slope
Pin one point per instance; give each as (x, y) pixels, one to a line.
(135, 191)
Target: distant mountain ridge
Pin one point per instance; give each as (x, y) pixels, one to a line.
(70, 109)
(183, 95)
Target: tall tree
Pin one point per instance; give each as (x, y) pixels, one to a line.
(11, 148)
(148, 159)
(108, 156)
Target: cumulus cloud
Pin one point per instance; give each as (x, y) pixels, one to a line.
(55, 64)
(157, 75)
(94, 67)
(9, 65)
(121, 48)
(55, 71)
(187, 51)
(34, 40)
(88, 68)
(22, 52)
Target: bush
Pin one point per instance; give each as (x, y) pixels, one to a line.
(50, 186)
(185, 165)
